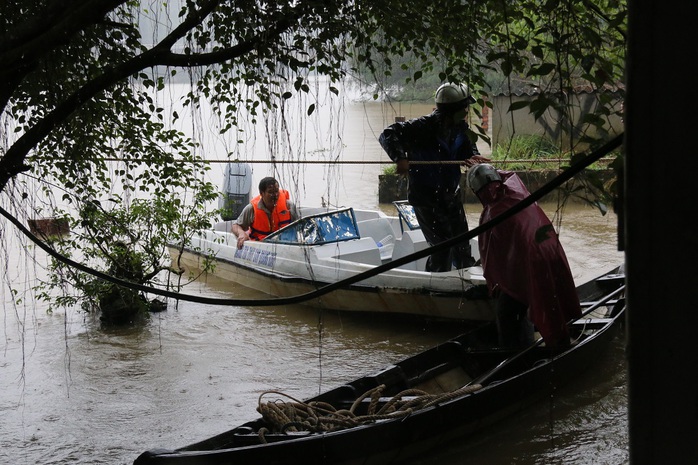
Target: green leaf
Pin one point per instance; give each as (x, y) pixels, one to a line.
(541, 70)
(518, 105)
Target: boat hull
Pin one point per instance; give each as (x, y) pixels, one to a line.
(467, 302)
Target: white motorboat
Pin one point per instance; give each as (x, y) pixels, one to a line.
(328, 246)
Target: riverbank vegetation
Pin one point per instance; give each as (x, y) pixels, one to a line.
(532, 152)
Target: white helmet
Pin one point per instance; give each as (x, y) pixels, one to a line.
(481, 175)
(453, 96)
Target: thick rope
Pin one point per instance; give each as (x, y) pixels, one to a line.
(317, 417)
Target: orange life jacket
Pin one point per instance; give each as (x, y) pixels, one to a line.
(280, 217)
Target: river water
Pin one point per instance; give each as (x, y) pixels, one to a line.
(72, 392)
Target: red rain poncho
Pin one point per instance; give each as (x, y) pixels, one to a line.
(524, 258)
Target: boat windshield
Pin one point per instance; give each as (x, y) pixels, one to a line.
(334, 226)
(407, 215)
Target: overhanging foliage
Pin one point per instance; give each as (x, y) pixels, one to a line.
(83, 80)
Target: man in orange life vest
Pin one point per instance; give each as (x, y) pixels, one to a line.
(268, 212)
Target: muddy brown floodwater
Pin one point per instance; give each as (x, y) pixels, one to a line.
(72, 392)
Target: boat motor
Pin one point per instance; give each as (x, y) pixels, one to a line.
(237, 185)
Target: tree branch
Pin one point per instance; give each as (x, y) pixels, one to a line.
(22, 47)
(13, 161)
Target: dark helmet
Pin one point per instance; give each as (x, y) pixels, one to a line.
(481, 175)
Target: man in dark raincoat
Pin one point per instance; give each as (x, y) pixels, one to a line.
(523, 262)
(440, 143)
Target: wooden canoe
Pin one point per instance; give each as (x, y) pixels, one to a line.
(415, 405)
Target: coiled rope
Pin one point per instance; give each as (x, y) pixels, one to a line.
(317, 417)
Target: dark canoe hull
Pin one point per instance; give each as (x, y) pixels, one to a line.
(510, 380)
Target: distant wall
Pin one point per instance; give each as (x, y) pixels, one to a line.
(505, 124)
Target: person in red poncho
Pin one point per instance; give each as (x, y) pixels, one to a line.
(524, 263)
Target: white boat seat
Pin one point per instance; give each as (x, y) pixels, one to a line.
(382, 233)
(362, 250)
(411, 242)
(376, 228)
